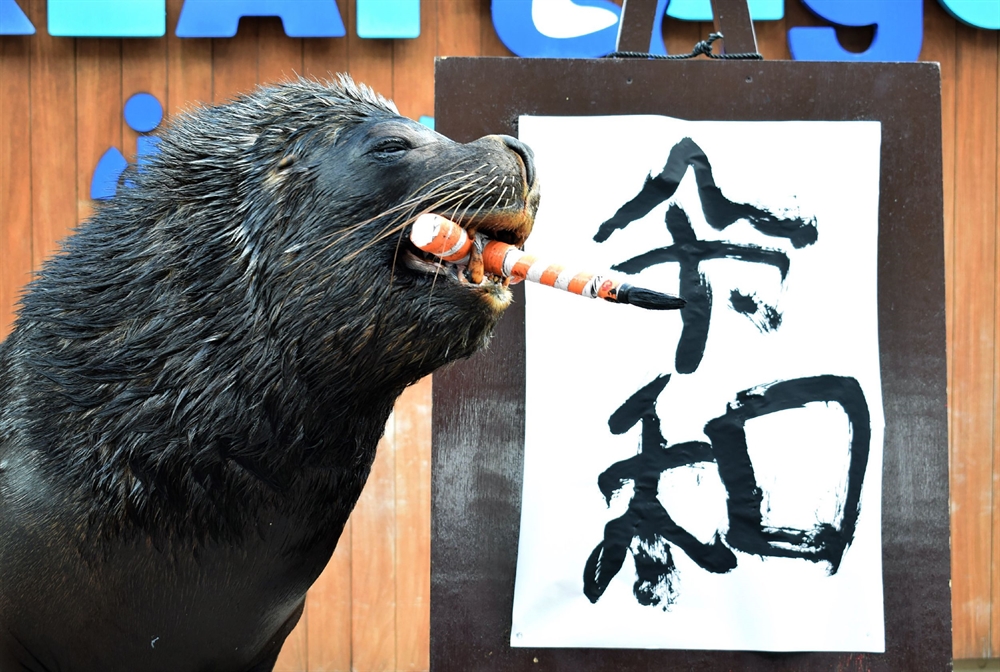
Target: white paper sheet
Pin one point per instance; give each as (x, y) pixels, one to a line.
(586, 357)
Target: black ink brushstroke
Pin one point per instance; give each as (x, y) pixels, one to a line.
(727, 434)
(646, 527)
(719, 211)
(742, 303)
(655, 573)
(762, 315)
(639, 406)
(771, 318)
(688, 252)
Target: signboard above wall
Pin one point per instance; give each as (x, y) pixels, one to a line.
(529, 28)
(379, 19)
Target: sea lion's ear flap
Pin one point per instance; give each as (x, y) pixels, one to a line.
(287, 161)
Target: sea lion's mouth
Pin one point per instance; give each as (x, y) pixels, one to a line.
(422, 262)
(462, 273)
(492, 289)
(469, 272)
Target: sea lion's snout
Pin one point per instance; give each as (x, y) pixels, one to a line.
(492, 190)
(527, 158)
(513, 216)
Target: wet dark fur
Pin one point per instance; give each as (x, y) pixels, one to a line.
(192, 395)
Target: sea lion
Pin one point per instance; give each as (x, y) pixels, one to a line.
(192, 394)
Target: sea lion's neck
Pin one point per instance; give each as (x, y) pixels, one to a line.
(205, 461)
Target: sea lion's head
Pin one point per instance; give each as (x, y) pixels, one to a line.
(278, 224)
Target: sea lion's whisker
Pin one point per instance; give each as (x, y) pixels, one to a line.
(415, 197)
(499, 198)
(437, 272)
(396, 224)
(402, 222)
(482, 205)
(410, 201)
(402, 215)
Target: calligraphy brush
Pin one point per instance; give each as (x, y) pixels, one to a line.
(448, 241)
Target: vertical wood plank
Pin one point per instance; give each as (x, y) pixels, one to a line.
(98, 111)
(490, 43)
(681, 36)
(373, 580)
(144, 70)
(324, 59)
(53, 135)
(328, 606)
(413, 66)
(15, 174)
(234, 62)
(279, 57)
(369, 61)
(974, 338)
(772, 40)
(413, 528)
(995, 569)
(189, 66)
(459, 28)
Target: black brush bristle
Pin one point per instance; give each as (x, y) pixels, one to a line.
(648, 299)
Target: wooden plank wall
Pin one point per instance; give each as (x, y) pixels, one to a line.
(61, 108)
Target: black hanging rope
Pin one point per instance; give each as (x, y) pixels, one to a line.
(703, 47)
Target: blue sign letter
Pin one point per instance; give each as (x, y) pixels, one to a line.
(565, 28)
(108, 18)
(701, 10)
(13, 21)
(392, 19)
(143, 113)
(221, 18)
(979, 13)
(899, 30)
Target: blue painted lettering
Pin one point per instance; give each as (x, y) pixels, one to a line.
(898, 30)
(979, 13)
(107, 18)
(143, 113)
(565, 28)
(13, 21)
(388, 19)
(701, 10)
(221, 18)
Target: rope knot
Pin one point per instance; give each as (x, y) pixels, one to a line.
(705, 46)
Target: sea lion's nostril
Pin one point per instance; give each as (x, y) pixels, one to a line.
(527, 156)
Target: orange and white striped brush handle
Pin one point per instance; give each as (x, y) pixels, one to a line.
(509, 262)
(444, 238)
(441, 237)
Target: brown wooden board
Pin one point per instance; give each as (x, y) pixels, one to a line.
(15, 174)
(479, 404)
